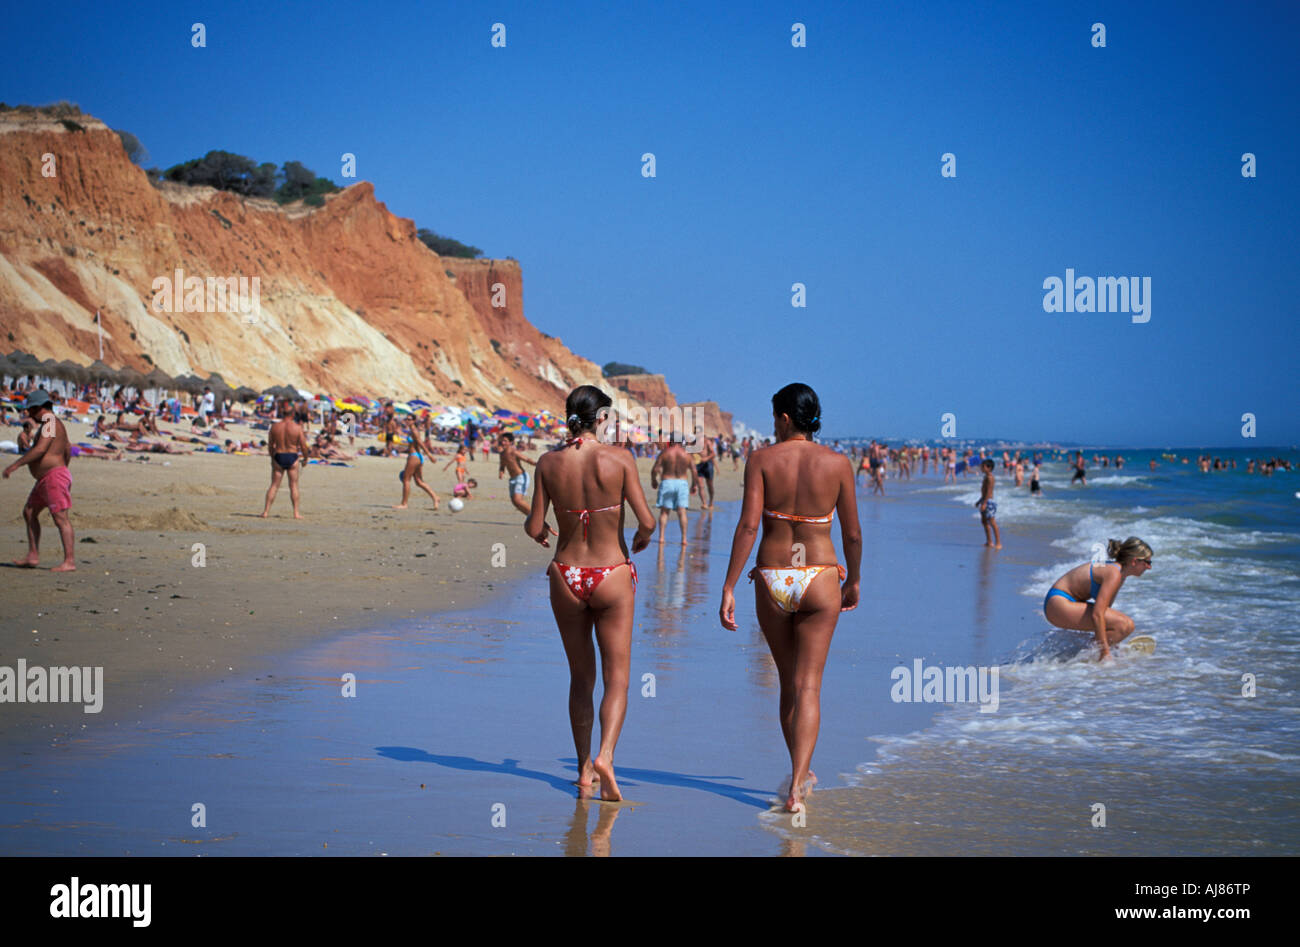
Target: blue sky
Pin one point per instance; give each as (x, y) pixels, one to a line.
(778, 165)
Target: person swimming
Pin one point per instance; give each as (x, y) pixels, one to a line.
(797, 604)
(1066, 607)
(589, 585)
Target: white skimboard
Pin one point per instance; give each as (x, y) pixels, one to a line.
(1140, 644)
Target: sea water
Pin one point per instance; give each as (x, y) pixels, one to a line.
(1194, 750)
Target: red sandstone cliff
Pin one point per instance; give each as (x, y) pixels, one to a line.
(350, 300)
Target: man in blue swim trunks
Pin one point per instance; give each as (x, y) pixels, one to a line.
(674, 474)
(512, 463)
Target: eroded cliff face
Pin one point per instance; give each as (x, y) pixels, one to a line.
(652, 391)
(349, 300)
(647, 389)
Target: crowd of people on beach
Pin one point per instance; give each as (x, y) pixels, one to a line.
(792, 489)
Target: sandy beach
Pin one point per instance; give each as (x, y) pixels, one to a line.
(461, 708)
(159, 625)
(457, 740)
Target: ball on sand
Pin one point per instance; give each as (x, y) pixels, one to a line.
(456, 504)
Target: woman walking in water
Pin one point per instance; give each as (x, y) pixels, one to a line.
(1066, 605)
(593, 581)
(793, 488)
(416, 448)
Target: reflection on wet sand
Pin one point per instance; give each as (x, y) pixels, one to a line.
(577, 842)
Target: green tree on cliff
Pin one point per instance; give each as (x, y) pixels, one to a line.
(226, 172)
(445, 246)
(131, 145)
(622, 368)
(298, 182)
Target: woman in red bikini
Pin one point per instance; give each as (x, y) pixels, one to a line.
(593, 581)
(793, 488)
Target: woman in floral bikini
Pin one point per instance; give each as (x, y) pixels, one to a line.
(593, 580)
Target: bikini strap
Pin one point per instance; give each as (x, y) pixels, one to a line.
(584, 516)
(800, 519)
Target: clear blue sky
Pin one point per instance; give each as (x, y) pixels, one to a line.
(776, 165)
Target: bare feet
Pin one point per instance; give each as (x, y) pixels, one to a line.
(29, 563)
(587, 776)
(402, 506)
(66, 566)
(608, 786)
(264, 515)
(297, 516)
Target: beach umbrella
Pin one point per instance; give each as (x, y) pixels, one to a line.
(245, 394)
(50, 368)
(157, 378)
(25, 362)
(401, 407)
(419, 403)
(99, 371)
(190, 383)
(72, 371)
(448, 419)
(218, 385)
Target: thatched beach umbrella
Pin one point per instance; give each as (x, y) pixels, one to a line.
(130, 378)
(245, 394)
(191, 383)
(72, 371)
(100, 372)
(25, 361)
(219, 386)
(157, 378)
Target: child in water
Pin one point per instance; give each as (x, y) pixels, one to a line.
(988, 509)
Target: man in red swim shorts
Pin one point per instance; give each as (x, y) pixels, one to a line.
(46, 443)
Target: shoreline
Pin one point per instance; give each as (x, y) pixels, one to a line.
(459, 711)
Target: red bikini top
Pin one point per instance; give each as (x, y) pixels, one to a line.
(584, 516)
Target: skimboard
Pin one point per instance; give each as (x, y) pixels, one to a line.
(1140, 644)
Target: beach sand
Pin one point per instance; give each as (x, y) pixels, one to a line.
(460, 712)
(159, 625)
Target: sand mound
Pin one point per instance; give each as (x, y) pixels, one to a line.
(170, 520)
(193, 489)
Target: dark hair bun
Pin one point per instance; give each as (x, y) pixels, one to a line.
(802, 405)
(582, 408)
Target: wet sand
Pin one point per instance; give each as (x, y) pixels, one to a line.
(160, 625)
(459, 719)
